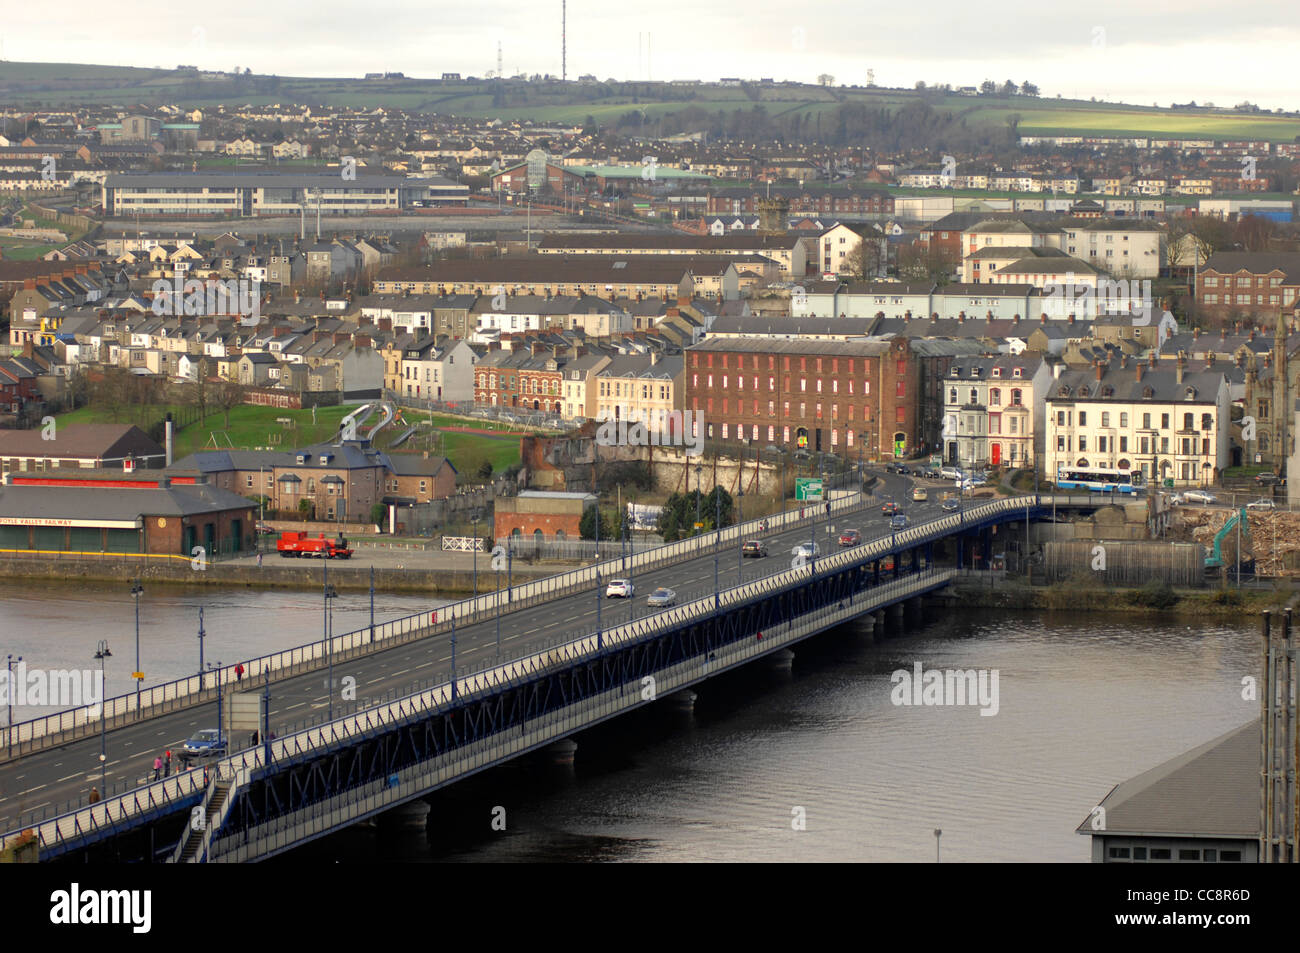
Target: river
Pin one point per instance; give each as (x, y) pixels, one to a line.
(1084, 702)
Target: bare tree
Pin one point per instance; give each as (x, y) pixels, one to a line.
(869, 258)
(228, 395)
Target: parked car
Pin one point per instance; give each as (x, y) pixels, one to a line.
(889, 508)
(1261, 504)
(950, 473)
(205, 744)
(950, 505)
(903, 470)
(850, 537)
(1267, 479)
(898, 522)
(919, 494)
(620, 588)
(753, 547)
(662, 597)
(1176, 499)
(1199, 496)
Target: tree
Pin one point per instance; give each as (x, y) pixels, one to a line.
(484, 469)
(610, 525)
(305, 508)
(1209, 234)
(988, 88)
(869, 258)
(1009, 88)
(826, 79)
(229, 394)
(1028, 89)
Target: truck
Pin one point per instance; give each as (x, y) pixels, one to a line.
(318, 547)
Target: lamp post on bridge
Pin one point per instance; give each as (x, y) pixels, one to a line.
(137, 590)
(474, 546)
(102, 653)
(330, 593)
(9, 723)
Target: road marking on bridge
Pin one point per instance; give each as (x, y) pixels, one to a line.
(68, 778)
(292, 707)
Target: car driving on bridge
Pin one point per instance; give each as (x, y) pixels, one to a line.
(889, 508)
(950, 505)
(661, 598)
(898, 522)
(205, 744)
(850, 537)
(753, 547)
(620, 589)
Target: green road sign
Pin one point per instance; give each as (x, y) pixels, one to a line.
(807, 489)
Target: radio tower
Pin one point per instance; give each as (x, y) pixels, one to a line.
(500, 69)
(564, 49)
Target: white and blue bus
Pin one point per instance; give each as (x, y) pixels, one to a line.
(1099, 480)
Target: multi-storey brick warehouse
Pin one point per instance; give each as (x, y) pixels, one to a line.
(837, 396)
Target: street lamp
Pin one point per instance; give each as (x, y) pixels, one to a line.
(102, 653)
(330, 593)
(137, 591)
(477, 516)
(9, 729)
(699, 471)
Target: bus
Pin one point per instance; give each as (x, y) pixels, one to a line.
(1099, 480)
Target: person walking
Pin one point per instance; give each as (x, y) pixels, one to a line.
(167, 766)
(94, 795)
(239, 672)
(259, 560)
(157, 767)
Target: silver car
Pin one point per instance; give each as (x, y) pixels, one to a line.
(661, 598)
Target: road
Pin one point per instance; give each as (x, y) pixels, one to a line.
(47, 780)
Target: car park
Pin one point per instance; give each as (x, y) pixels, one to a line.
(753, 547)
(662, 597)
(850, 537)
(620, 588)
(1261, 504)
(204, 744)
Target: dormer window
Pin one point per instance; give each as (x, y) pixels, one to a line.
(997, 372)
(1016, 372)
(1191, 393)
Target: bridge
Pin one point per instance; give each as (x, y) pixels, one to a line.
(511, 684)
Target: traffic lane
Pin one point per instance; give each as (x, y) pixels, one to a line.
(375, 675)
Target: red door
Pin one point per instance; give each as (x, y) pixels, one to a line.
(997, 454)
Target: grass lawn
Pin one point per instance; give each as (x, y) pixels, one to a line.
(253, 427)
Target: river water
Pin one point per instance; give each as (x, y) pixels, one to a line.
(1083, 703)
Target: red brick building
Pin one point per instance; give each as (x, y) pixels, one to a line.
(1244, 284)
(537, 514)
(836, 396)
(803, 201)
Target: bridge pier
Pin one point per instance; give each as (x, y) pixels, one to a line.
(895, 615)
(781, 660)
(413, 815)
(682, 702)
(878, 625)
(562, 752)
(913, 611)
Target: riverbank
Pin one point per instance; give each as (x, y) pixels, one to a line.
(1221, 605)
(299, 575)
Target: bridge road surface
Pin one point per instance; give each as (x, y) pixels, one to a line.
(48, 779)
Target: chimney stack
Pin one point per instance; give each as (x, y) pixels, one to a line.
(1178, 373)
(1140, 365)
(1099, 367)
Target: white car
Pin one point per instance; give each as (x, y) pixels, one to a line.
(1199, 496)
(1261, 504)
(1176, 499)
(806, 550)
(620, 588)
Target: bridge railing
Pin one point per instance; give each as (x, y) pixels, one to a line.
(75, 722)
(310, 742)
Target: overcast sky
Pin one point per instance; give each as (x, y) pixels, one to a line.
(1138, 52)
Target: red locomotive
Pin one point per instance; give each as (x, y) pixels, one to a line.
(317, 547)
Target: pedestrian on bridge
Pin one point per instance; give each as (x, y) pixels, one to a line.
(157, 767)
(167, 766)
(94, 795)
(239, 672)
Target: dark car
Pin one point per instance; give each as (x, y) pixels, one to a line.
(1267, 479)
(753, 547)
(889, 508)
(850, 537)
(898, 522)
(903, 470)
(950, 506)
